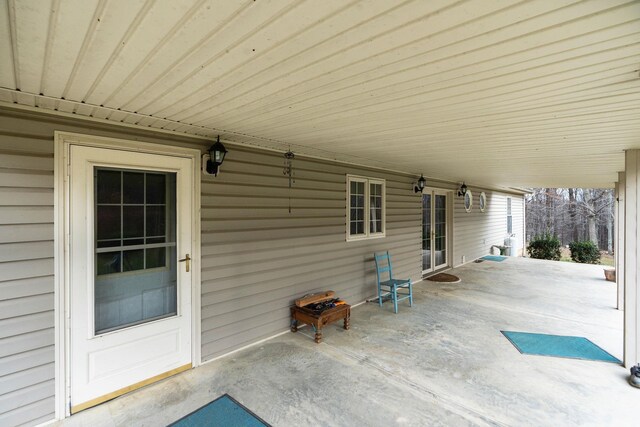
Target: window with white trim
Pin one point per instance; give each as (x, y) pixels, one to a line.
(365, 208)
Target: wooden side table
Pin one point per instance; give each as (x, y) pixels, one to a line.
(318, 320)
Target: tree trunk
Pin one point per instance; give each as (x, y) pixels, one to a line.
(550, 220)
(572, 215)
(591, 216)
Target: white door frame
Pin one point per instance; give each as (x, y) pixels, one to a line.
(62, 143)
(449, 225)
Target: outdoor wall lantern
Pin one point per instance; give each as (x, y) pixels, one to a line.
(463, 190)
(421, 183)
(216, 157)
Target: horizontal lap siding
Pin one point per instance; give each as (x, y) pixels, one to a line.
(26, 277)
(475, 232)
(517, 210)
(26, 258)
(257, 258)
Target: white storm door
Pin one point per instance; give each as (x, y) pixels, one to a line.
(129, 222)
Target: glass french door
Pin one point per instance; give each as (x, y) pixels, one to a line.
(435, 232)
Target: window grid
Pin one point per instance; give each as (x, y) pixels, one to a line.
(365, 208)
(146, 249)
(357, 216)
(375, 208)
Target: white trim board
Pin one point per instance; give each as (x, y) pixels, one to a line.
(62, 142)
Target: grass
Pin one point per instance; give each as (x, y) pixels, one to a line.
(605, 258)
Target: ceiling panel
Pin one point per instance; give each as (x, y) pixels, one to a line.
(66, 47)
(7, 63)
(114, 25)
(30, 20)
(154, 25)
(240, 23)
(503, 93)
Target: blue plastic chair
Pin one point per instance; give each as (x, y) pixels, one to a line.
(388, 289)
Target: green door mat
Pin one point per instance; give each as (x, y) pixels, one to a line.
(558, 346)
(225, 411)
(496, 258)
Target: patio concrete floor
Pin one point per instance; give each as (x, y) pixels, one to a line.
(442, 362)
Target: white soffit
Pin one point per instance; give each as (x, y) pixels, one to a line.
(503, 93)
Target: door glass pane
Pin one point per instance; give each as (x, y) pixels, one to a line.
(440, 225)
(108, 262)
(133, 260)
(133, 225)
(156, 257)
(108, 187)
(156, 220)
(108, 222)
(426, 232)
(135, 248)
(155, 188)
(133, 188)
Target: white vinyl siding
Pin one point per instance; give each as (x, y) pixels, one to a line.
(27, 336)
(509, 217)
(26, 276)
(475, 232)
(257, 258)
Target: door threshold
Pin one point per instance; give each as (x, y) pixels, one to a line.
(109, 396)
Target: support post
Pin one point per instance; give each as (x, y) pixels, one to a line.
(631, 252)
(619, 236)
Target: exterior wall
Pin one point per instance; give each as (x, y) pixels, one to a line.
(475, 232)
(26, 277)
(257, 257)
(26, 258)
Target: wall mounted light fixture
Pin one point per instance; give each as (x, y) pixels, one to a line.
(463, 190)
(217, 152)
(420, 184)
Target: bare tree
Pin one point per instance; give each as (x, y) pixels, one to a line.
(589, 208)
(572, 214)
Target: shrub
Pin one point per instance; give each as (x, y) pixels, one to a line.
(585, 252)
(545, 246)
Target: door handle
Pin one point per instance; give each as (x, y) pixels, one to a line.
(186, 259)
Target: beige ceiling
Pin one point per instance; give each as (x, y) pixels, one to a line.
(503, 93)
